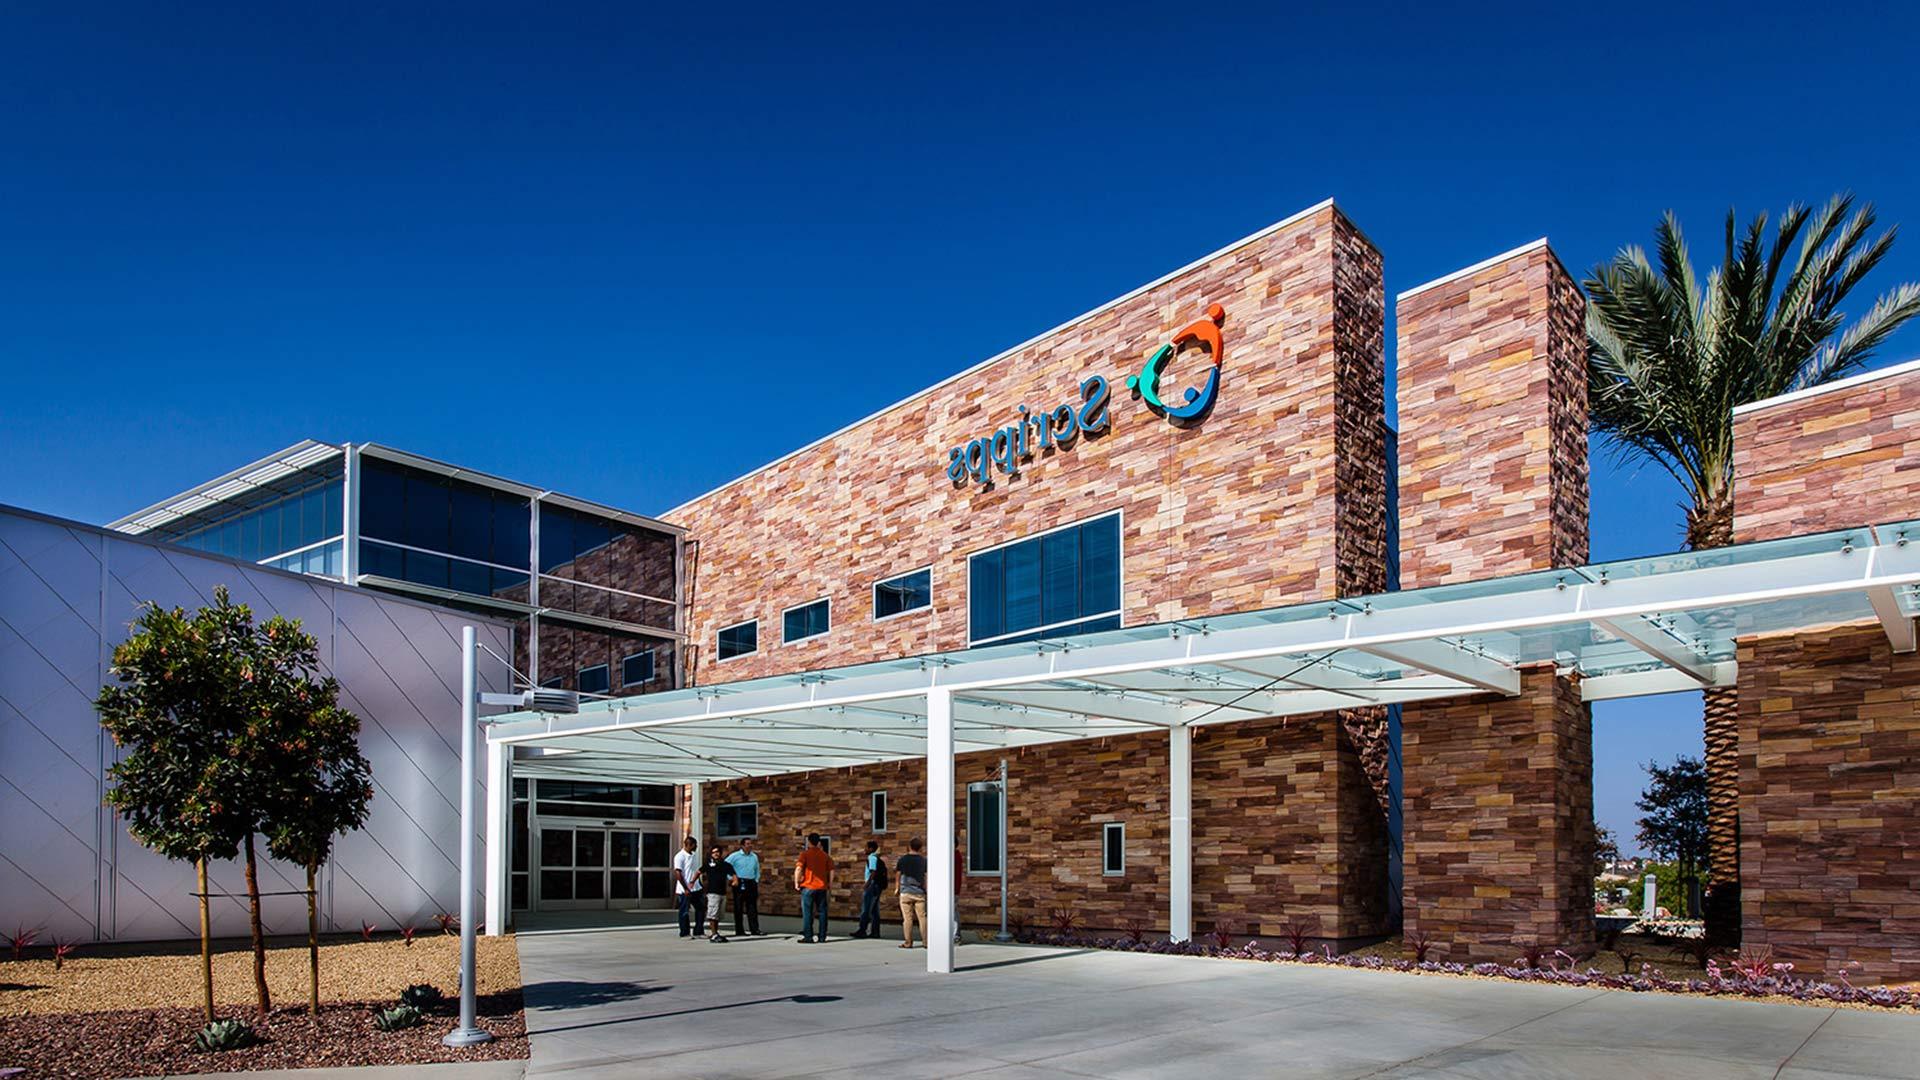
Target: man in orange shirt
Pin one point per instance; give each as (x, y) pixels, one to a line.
(813, 876)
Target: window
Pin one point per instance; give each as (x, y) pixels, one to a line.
(593, 680)
(908, 592)
(593, 799)
(1063, 582)
(879, 811)
(739, 819)
(637, 669)
(805, 621)
(986, 814)
(1113, 848)
(739, 640)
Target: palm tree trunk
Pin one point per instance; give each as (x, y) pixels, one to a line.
(313, 945)
(1710, 525)
(259, 938)
(206, 940)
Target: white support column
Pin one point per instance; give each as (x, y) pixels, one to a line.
(696, 816)
(1180, 833)
(350, 485)
(498, 887)
(940, 898)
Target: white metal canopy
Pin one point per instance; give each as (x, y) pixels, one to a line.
(1627, 628)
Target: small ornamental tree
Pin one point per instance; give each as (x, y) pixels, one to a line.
(174, 715)
(330, 788)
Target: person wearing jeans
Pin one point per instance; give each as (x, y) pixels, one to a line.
(686, 887)
(813, 876)
(746, 890)
(876, 884)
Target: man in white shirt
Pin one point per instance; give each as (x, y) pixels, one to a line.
(686, 886)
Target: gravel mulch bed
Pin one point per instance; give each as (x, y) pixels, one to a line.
(160, 975)
(153, 1042)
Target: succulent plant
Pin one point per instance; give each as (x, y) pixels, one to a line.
(397, 1018)
(225, 1035)
(422, 996)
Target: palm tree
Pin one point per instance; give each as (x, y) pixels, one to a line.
(1667, 362)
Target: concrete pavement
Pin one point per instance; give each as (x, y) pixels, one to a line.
(639, 1000)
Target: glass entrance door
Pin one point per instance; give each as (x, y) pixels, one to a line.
(593, 867)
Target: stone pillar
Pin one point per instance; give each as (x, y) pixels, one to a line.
(1498, 792)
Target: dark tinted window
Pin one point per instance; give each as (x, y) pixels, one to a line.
(739, 640)
(593, 680)
(741, 819)
(1065, 582)
(904, 593)
(637, 669)
(983, 828)
(1115, 855)
(808, 620)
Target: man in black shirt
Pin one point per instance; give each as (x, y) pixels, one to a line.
(716, 877)
(911, 874)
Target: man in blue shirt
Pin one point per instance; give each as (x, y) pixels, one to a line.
(746, 890)
(870, 896)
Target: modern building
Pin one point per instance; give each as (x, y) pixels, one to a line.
(1155, 621)
(593, 592)
(1113, 612)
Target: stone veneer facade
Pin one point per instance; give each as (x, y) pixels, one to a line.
(1498, 792)
(1277, 496)
(1829, 721)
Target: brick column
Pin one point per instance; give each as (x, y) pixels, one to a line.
(1498, 792)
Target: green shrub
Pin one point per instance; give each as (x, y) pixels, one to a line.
(225, 1035)
(397, 1018)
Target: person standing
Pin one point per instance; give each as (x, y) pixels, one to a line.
(813, 876)
(912, 874)
(686, 886)
(746, 889)
(716, 877)
(876, 886)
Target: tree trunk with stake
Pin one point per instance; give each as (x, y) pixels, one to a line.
(313, 944)
(259, 938)
(206, 940)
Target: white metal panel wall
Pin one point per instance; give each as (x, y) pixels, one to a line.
(65, 862)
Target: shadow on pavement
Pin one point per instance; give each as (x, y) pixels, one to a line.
(799, 999)
(580, 995)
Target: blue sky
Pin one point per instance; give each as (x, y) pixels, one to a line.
(598, 248)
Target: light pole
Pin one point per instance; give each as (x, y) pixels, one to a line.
(470, 1033)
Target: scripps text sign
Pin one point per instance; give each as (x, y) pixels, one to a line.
(1033, 430)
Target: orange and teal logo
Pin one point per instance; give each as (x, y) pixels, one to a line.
(1040, 431)
(1146, 385)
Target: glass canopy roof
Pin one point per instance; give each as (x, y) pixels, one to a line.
(1625, 628)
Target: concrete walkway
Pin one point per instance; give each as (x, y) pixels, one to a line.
(639, 999)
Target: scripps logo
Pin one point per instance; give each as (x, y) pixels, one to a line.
(1147, 384)
(1037, 430)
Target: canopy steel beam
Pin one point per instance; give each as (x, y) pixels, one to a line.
(1663, 645)
(1453, 662)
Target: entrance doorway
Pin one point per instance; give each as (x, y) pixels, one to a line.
(597, 867)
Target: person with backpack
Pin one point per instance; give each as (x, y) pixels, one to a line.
(876, 884)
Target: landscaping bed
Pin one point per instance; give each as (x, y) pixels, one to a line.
(128, 1010)
(1753, 976)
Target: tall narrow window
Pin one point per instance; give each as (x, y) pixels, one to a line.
(1066, 581)
(1113, 844)
(986, 819)
(879, 811)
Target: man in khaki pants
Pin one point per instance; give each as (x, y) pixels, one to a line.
(911, 874)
